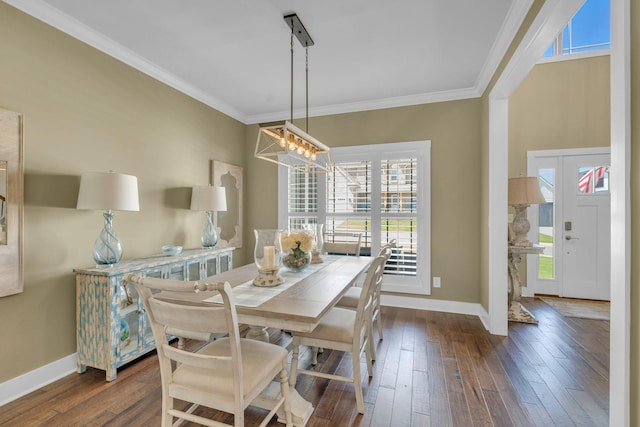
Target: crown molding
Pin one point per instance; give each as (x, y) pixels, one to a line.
(377, 104)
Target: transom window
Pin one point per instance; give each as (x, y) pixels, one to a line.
(381, 191)
(587, 31)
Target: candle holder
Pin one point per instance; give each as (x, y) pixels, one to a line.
(267, 256)
(316, 251)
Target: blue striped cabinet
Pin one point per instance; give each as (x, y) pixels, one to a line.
(112, 327)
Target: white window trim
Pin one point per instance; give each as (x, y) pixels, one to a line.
(572, 56)
(421, 283)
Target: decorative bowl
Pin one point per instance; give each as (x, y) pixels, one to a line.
(171, 250)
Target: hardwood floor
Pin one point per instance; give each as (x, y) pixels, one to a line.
(433, 369)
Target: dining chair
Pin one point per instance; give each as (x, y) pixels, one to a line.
(225, 374)
(345, 330)
(351, 298)
(342, 243)
(338, 243)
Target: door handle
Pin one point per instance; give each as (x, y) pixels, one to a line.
(567, 237)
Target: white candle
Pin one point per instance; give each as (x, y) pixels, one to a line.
(269, 257)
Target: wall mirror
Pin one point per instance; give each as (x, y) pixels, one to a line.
(229, 224)
(11, 203)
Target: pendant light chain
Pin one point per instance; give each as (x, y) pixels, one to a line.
(291, 100)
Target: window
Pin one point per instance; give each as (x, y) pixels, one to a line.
(593, 180)
(588, 30)
(546, 231)
(381, 191)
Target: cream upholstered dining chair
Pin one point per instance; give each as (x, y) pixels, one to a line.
(226, 374)
(342, 243)
(338, 243)
(343, 330)
(351, 298)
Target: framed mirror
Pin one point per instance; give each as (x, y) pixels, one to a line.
(229, 224)
(11, 203)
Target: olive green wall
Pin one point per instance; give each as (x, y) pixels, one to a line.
(454, 129)
(84, 111)
(562, 104)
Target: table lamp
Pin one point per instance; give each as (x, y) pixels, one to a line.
(523, 191)
(208, 199)
(108, 191)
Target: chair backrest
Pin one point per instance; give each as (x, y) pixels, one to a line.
(372, 281)
(393, 243)
(385, 254)
(193, 321)
(345, 243)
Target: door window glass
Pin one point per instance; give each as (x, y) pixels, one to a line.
(593, 179)
(546, 224)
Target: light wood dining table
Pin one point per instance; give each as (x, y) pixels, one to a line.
(298, 308)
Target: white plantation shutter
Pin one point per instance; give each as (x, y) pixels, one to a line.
(399, 220)
(381, 191)
(348, 205)
(302, 198)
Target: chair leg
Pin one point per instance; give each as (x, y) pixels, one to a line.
(371, 345)
(294, 362)
(284, 389)
(367, 356)
(379, 322)
(357, 380)
(167, 404)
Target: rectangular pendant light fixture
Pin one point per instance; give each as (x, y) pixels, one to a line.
(287, 145)
(284, 143)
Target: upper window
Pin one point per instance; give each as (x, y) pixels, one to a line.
(379, 191)
(588, 30)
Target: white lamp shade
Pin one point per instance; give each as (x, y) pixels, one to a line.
(208, 198)
(108, 191)
(525, 191)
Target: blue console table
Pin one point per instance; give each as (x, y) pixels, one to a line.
(111, 325)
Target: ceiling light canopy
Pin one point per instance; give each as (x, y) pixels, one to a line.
(284, 143)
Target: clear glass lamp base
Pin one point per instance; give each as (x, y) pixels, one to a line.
(209, 236)
(107, 248)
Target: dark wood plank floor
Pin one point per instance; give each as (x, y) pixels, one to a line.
(433, 369)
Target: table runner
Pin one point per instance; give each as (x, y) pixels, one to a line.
(249, 295)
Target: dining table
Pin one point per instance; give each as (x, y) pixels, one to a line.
(298, 304)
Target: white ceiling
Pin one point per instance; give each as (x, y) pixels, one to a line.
(234, 55)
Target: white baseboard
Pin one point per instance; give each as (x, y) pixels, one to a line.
(437, 305)
(33, 380)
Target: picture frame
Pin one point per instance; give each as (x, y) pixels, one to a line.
(229, 223)
(12, 205)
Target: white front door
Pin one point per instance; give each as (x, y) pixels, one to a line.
(574, 224)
